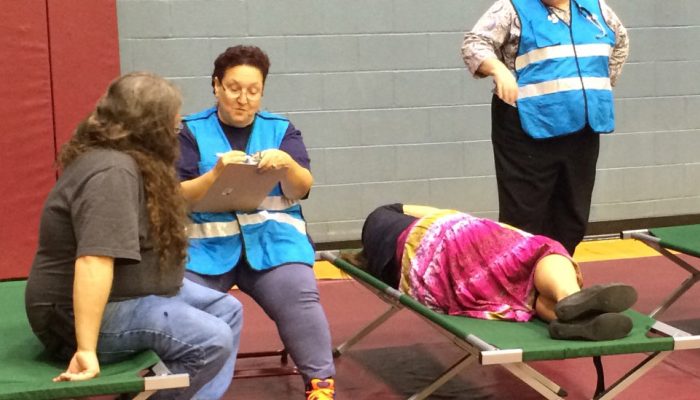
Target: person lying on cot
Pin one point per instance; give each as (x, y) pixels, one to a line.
(458, 264)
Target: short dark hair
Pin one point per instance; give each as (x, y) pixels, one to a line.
(240, 55)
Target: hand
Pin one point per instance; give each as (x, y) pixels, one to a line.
(506, 85)
(82, 366)
(231, 157)
(274, 159)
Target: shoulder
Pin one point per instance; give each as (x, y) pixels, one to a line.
(108, 158)
(104, 161)
(610, 17)
(204, 114)
(499, 17)
(265, 115)
(504, 8)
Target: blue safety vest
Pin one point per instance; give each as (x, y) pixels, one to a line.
(272, 235)
(562, 70)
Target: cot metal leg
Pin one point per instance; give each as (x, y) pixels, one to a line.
(536, 380)
(632, 375)
(365, 331)
(144, 395)
(162, 379)
(687, 284)
(153, 384)
(446, 376)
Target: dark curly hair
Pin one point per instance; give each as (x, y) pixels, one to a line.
(137, 116)
(240, 55)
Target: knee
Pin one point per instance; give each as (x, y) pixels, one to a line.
(208, 351)
(301, 289)
(235, 316)
(229, 310)
(293, 297)
(222, 342)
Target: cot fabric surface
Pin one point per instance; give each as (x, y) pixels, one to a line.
(26, 371)
(533, 336)
(511, 344)
(683, 238)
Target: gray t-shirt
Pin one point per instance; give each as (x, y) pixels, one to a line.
(97, 208)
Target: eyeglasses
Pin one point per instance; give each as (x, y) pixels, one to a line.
(251, 94)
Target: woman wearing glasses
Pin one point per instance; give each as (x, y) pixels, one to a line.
(267, 252)
(554, 63)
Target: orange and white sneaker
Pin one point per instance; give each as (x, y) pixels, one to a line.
(321, 389)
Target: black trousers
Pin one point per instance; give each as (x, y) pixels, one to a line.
(544, 185)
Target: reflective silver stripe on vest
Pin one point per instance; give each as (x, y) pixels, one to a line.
(263, 216)
(213, 229)
(562, 85)
(276, 203)
(563, 51)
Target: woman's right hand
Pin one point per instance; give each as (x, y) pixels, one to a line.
(194, 189)
(506, 85)
(230, 157)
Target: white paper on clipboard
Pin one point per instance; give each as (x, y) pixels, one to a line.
(240, 187)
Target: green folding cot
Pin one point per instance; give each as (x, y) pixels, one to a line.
(684, 239)
(513, 344)
(26, 371)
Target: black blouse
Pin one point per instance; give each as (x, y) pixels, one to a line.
(380, 232)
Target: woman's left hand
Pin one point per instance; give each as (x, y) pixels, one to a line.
(274, 159)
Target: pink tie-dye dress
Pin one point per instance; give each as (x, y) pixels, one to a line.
(458, 264)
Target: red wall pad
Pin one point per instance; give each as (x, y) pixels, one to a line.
(58, 57)
(84, 58)
(27, 141)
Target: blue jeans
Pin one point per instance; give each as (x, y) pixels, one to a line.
(196, 331)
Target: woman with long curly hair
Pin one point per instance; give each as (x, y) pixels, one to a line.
(107, 278)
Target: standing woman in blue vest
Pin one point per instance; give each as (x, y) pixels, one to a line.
(267, 253)
(554, 63)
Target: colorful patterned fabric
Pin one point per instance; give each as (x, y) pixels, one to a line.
(458, 264)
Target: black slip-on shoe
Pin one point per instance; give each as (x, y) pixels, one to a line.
(597, 299)
(608, 326)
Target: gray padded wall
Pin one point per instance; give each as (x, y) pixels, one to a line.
(389, 113)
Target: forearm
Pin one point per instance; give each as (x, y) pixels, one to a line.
(619, 54)
(91, 288)
(620, 51)
(194, 189)
(492, 67)
(297, 182)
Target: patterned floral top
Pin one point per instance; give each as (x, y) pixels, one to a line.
(497, 35)
(458, 264)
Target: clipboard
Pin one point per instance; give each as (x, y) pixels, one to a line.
(240, 187)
